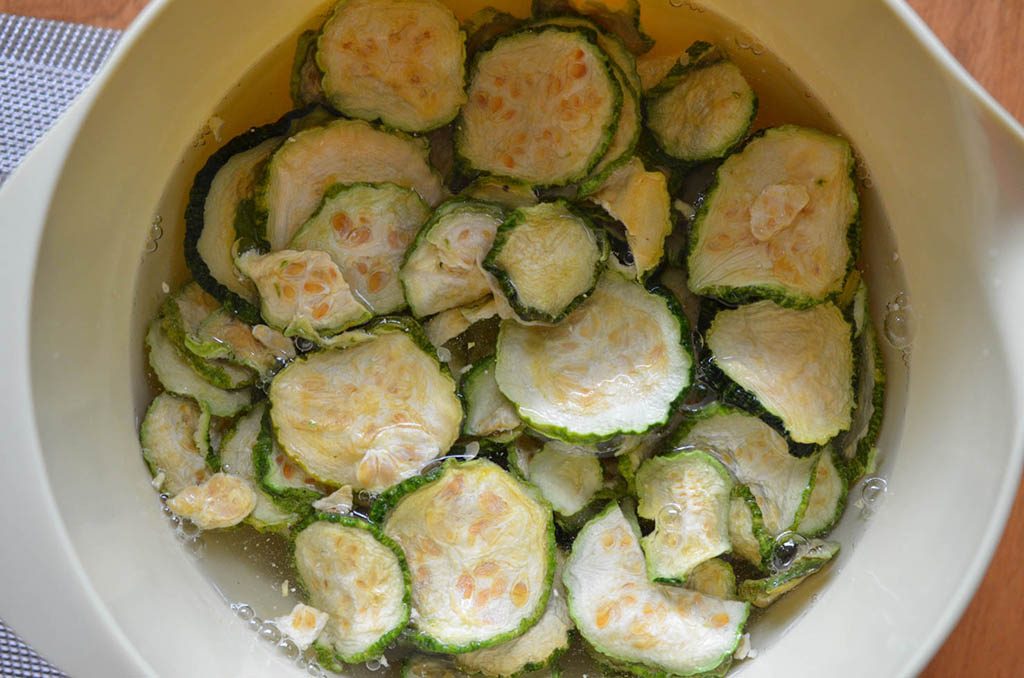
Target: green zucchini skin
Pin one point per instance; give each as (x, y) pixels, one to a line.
(765, 540)
(763, 592)
(306, 77)
(295, 499)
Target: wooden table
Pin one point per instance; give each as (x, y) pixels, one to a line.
(987, 36)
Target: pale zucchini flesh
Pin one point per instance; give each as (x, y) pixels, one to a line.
(568, 480)
(714, 578)
(449, 324)
(488, 412)
(859, 446)
(827, 496)
(811, 558)
(223, 335)
(290, 487)
(751, 540)
(175, 438)
(219, 502)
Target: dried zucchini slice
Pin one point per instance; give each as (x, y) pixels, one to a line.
(366, 228)
(505, 192)
(399, 61)
(568, 480)
(702, 108)
(341, 152)
(620, 18)
(223, 335)
(797, 364)
(488, 412)
(652, 69)
(368, 416)
(291, 488)
(218, 502)
(811, 558)
(779, 222)
(303, 294)
(640, 200)
(351, 571)
(543, 106)
(750, 539)
(713, 578)
(177, 376)
(481, 550)
(306, 82)
(175, 438)
(449, 324)
(646, 628)
(442, 267)
(615, 365)
(547, 260)
(687, 495)
(827, 497)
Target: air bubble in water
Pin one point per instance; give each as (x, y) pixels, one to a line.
(366, 497)
(872, 491)
(196, 546)
(244, 612)
(373, 665)
(741, 42)
(151, 246)
(313, 669)
(676, 3)
(189, 529)
(303, 345)
(670, 518)
(255, 623)
(897, 321)
(699, 397)
(788, 546)
(269, 632)
(757, 49)
(289, 649)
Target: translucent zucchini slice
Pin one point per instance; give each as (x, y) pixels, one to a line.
(859, 446)
(399, 61)
(702, 108)
(449, 324)
(618, 17)
(481, 551)
(639, 199)
(366, 229)
(442, 267)
(488, 412)
(219, 502)
(713, 578)
(751, 540)
(568, 480)
(223, 335)
(341, 152)
(355, 574)
(306, 83)
(812, 557)
(367, 416)
(827, 497)
(614, 366)
(797, 364)
(291, 488)
(779, 222)
(505, 192)
(643, 627)
(177, 376)
(303, 294)
(543, 106)
(547, 259)
(175, 438)
(687, 495)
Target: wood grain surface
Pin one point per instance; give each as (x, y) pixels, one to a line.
(987, 36)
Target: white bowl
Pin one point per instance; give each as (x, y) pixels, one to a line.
(98, 584)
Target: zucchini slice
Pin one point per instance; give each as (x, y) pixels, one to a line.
(547, 259)
(702, 108)
(713, 578)
(366, 229)
(812, 557)
(859, 446)
(291, 488)
(568, 480)
(183, 313)
(306, 82)
(505, 192)
(779, 222)
(827, 496)
(687, 495)
(368, 416)
(481, 550)
(615, 366)
(488, 412)
(645, 628)
(341, 152)
(177, 376)
(223, 335)
(399, 61)
(218, 502)
(750, 539)
(639, 199)
(652, 69)
(175, 438)
(355, 574)
(442, 267)
(449, 324)
(620, 18)
(543, 105)
(797, 364)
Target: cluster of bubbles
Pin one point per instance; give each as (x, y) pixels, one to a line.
(156, 231)
(187, 532)
(897, 321)
(268, 631)
(743, 42)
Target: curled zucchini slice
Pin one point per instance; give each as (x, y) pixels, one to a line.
(811, 558)
(449, 324)
(751, 540)
(779, 222)
(859, 446)
(687, 495)
(442, 267)
(366, 229)
(355, 574)
(543, 105)
(639, 199)
(620, 18)
(177, 376)
(615, 365)
(547, 259)
(218, 502)
(223, 335)
(481, 552)
(797, 364)
(827, 496)
(306, 82)
(399, 61)
(291, 488)
(175, 438)
(568, 480)
(643, 627)
(702, 108)
(505, 192)
(341, 152)
(713, 578)
(368, 416)
(488, 412)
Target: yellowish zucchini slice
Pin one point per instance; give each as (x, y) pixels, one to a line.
(614, 366)
(652, 69)
(687, 495)
(488, 412)
(827, 497)
(340, 152)
(398, 61)
(368, 416)
(543, 105)
(481, 551)
(620, 18)
(358, 576)
(798, 365)
(644, 627)
(713, 578)
(218, 502)
(175, 438)
(779, 222)
(442, 267)
(223, 335)
(505, 192)
(547, 259)
(303, 294)
(811, 558)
